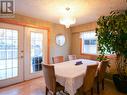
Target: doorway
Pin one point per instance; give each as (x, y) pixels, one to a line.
(23, 50)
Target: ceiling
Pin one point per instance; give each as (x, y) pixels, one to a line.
(84, 10)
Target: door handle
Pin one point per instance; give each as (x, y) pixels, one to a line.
(21, 54)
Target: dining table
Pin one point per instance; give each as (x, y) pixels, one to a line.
(70, 74)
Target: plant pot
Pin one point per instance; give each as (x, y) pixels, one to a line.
(121, 84)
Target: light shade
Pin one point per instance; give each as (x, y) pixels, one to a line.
(67, 21)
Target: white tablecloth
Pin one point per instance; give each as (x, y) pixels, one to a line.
(70, 75)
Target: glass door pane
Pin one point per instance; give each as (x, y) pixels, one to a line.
(36, 51)
(8, 53)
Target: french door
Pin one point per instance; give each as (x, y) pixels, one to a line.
(23, 50)
(11, 54)
(35, 52)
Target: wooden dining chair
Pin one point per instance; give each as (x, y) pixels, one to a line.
(49, 75)
(71, 57)
(57, 59)
(100, 75)
(89, 79)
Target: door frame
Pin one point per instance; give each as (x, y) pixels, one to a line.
(32, 25)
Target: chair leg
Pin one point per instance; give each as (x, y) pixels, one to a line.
(46, 91)
(103, 84)
(98, 91)
(91, 91)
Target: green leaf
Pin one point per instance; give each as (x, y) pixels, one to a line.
(112, 35)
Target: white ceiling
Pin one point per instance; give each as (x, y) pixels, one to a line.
(84, 10)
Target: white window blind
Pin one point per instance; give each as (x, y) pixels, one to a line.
(89, 42)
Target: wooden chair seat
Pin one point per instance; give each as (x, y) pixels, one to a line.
(57, 59)
(88, 80)
(49, 75)
(100, 75)
(71, 57)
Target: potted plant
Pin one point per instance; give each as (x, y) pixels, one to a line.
(112, 38)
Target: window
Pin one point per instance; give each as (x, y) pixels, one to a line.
(89, 42)
(36, 51)
(8, 53)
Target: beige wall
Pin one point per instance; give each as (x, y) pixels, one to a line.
(84, 27)
(54, 30)
(56, 50)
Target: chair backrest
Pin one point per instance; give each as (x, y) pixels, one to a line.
(71, 57)
(102, 69)
(89, 77)
(58, 59)
(49, 76)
